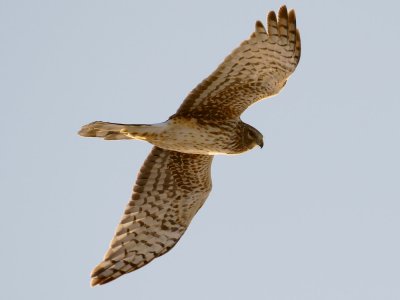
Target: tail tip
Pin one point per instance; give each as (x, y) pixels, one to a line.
(87, 131)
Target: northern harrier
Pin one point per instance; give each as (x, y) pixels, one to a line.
(175, 179)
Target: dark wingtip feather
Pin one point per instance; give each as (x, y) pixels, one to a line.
(282, 11)
(260, 27)
(292, 17)
(297, 52)
(271, 16)
(272, 24)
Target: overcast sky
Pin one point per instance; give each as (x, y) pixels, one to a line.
(313, 215)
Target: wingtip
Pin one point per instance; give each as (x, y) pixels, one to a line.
(282, 10)
(94, 281)
(96, 275)
(297, 52)
(98, 280)
(292, 16)
(260, 27)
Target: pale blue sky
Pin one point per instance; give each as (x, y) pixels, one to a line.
(315, 214)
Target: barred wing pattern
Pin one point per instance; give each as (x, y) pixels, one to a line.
(170, 188)
(257, 69)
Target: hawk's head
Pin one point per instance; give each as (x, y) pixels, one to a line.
(251, 137)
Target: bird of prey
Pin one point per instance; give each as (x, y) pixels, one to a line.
(175, 179)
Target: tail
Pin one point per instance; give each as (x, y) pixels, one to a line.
(115, 131)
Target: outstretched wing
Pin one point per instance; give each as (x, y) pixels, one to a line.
(170, 188)
(257, 69)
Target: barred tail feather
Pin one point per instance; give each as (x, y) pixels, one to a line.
(114, 131)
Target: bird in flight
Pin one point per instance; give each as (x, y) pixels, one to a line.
(175, 179)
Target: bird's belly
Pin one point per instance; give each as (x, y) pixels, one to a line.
(192, 144)
(194, 140)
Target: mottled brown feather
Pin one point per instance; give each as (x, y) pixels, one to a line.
(257, 69)
(170, 188)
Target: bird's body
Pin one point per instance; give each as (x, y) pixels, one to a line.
(175, 179)
(186, 135)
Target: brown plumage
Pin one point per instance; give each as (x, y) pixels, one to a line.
(175, 179)
(169, 190)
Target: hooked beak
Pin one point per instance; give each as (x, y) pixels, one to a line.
(261, 144)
